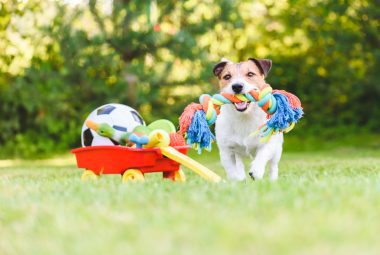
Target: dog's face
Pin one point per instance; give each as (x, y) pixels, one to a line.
(240, 78)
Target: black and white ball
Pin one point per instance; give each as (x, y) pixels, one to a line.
(121, 117)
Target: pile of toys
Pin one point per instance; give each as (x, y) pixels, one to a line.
(116, 140)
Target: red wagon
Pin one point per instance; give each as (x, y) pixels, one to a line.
(131, 163)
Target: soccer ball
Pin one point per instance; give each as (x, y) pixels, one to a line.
(121, 117)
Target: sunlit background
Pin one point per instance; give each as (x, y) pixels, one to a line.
(61, 59)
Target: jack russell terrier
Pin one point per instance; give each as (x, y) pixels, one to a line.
(236, 121)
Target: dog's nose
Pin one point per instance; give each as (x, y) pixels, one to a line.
(237, 88)
(252, 175)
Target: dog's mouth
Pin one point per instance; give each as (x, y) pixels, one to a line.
(242, 106)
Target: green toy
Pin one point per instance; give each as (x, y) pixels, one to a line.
(163, 124)
(104, 129)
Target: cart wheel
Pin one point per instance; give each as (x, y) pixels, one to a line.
(133, 175)
(179, 176)
(89, 175)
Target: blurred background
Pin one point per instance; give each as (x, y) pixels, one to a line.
(59, 60)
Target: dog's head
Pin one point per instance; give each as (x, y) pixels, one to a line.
(239, 78)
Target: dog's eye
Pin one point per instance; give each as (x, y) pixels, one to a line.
(250, 74)
(227, 77)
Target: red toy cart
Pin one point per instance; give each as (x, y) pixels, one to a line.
(131, 163)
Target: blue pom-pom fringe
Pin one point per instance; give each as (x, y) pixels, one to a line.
(284, 114)
(199, 132)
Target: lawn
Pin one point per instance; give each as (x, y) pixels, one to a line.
(323, 203)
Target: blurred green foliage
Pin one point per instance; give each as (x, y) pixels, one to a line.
(60, 60)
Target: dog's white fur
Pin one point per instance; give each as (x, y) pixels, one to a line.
(233, 129)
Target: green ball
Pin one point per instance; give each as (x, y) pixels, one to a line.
(163, 124)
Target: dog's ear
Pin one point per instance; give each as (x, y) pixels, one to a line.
(263, 64)
(218, 68)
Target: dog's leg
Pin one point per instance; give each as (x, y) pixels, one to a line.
(263, 155)
(240, 168)
(273, 171)
(228, 160)
(273, 166)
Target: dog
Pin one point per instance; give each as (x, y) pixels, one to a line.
(236, 122)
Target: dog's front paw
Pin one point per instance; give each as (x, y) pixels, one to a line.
(256, 174)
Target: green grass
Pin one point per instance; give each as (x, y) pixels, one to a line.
(323, 203)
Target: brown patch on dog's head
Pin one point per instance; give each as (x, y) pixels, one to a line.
(251, 72)
(263, 64)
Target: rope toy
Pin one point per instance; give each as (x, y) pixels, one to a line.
(283, 109)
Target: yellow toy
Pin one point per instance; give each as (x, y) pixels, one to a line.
(160, 138)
